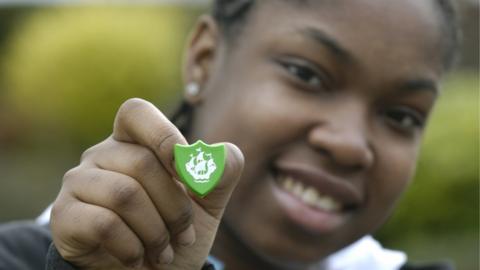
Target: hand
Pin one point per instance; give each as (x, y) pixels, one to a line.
(123, 206)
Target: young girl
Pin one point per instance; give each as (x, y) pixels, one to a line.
(323, 105)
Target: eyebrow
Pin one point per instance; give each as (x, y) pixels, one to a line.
(320, 37)
(416, 85)
(330, 43)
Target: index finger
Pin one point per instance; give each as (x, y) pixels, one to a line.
(139, 121)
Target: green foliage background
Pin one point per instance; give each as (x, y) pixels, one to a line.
(69, 69)
(65, 71)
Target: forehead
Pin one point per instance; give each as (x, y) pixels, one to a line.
(388, 31)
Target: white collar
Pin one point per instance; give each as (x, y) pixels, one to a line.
(366, 253)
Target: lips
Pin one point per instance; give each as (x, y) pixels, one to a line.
(302, 180)
(313, 199)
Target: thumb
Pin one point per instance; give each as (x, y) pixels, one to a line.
(216, 201)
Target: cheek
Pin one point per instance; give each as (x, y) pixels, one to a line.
(395, 168)
(261, 117)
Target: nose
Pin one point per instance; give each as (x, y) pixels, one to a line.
(343, 140)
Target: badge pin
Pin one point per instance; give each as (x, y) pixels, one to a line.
(200, 166)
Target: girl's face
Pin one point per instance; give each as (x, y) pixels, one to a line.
(327, 100)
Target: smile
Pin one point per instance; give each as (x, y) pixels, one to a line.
(309, 194)
(313, 199)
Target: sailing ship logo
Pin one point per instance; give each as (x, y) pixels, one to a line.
(201, 166)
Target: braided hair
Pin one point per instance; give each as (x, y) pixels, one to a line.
(232, 14)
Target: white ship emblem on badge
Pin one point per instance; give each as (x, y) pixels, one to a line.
(201, 166)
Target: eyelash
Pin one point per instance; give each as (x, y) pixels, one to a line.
(405, 119)
(307, 75)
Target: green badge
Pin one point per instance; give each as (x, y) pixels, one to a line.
(200, 166)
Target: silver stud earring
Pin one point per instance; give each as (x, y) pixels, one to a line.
(192, 89)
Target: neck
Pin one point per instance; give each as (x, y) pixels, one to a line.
(229, 249)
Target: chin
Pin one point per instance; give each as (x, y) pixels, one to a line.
(291, 257)
(285, 246)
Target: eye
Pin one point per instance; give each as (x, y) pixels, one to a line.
(306, 73)
(405, 118)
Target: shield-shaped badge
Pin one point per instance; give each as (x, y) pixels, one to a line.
(200, 166)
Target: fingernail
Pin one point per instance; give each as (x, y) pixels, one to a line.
(187, 237)
(166, 257)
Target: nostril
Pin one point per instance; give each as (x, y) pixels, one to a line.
(346, 147)
(347, 158)
(354, 159)
(323, 152)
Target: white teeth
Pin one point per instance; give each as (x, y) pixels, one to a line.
(298, 189)
(309, 195)
(327, 203)
(288, 184)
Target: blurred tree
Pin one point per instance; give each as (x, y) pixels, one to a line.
(9, 17)
(69, 69)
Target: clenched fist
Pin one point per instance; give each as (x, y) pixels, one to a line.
(124, 207)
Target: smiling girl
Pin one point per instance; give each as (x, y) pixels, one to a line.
(323, 104)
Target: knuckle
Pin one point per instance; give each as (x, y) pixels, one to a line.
(91, 151)
(162, 142)
(166, 133)
(125, 194)
(61, 210)
(133, 102)
(133, 255)
(57, 211)
(145, 161)
(182, 220)
(159, 242)
(105, 224)
(70, 174)
(130, 105)
(122, 117)
(87, 153)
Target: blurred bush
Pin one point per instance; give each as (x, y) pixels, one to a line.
(443, 198)
(68, 69)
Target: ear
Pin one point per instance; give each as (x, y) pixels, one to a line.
(200, 54)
